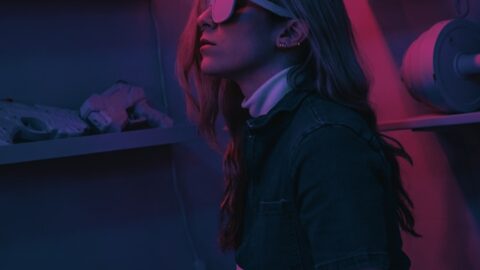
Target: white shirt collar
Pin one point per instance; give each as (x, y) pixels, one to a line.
(268, 94)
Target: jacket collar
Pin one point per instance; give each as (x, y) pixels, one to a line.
(290, 102)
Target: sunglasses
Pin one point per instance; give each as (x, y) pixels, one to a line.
(222, 10)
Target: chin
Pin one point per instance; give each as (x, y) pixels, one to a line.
(212, 69)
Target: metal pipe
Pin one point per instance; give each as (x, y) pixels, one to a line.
(468, 64)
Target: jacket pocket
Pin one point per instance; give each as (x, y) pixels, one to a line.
(276, 236)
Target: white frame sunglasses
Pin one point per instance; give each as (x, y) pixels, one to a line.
(222, 10)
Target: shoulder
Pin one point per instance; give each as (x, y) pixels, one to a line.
(333, 144)
(328, 135)
(336, 156)
(320, 121)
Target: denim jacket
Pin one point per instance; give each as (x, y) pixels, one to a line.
(316, 196)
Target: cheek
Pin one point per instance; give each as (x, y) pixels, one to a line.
(244, 51)
(239, 51)
(248, 42)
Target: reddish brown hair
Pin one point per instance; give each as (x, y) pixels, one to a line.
(328, 65)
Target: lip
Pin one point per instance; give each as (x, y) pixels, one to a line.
(205, 47)
(205, 42)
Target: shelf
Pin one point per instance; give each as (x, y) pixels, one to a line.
(68, 147)
(76, 146)
(427, 122)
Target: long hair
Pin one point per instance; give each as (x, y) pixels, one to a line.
(328, 64)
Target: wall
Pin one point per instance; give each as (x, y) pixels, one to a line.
(114, 210)
(105, 211)
(443, 182)
(60, 52)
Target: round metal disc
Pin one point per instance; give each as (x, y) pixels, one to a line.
(461, 94)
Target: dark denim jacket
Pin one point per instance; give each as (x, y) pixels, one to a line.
(316, 199)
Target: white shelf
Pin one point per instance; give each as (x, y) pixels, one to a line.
(77, 146)
(427, 122)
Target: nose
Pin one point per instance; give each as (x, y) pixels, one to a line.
(205, 21)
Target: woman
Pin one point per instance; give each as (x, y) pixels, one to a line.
(310, 182)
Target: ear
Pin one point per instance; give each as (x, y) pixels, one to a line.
(292, 34)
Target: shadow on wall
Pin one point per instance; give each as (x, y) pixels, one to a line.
(462, 146)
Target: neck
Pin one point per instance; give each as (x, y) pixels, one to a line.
(250, 81)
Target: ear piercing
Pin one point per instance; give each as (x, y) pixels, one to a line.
(285, 44)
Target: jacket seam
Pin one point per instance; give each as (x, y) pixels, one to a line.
(326, 123)
(323, 125)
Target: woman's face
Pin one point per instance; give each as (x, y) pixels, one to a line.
(238, 46)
